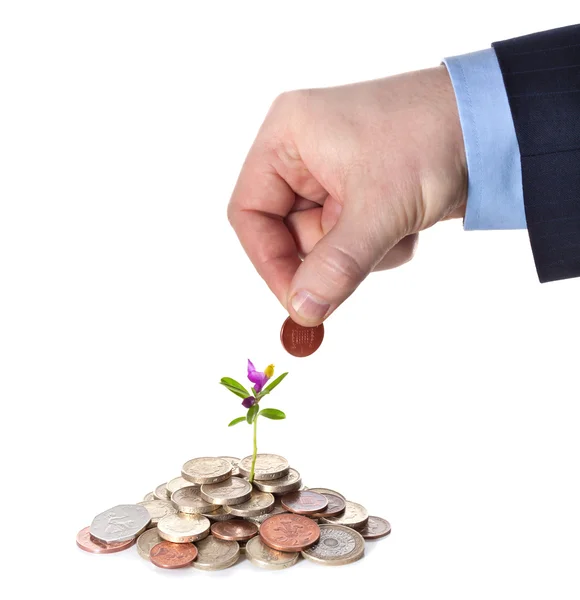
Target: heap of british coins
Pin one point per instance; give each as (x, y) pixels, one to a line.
(212, 514)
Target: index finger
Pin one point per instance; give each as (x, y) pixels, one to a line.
(260, 201)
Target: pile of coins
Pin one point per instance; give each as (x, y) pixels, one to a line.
(212, 514)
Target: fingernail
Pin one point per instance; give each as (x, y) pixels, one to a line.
(308, 306)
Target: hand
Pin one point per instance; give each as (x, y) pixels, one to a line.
(345, 178)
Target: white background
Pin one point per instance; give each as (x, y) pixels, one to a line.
(444, 397)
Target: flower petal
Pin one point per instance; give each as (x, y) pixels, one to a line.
(260, 384)
(256, 377)
(248, 402)
(269, 371)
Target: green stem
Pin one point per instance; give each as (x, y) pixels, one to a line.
(255, 449)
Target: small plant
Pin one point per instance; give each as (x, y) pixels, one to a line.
(251, 401)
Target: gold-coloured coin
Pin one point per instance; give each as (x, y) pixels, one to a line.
(234, 490)
(258, 504)
(181, 528)
(158, 509)
(354, 516)
(235, 461)
(320, 490)
(146, 541)
(291, 482)
(177, 483)
(219, 514)
(267, 558)
(188, 500)
(258, 520)
(215, 554)
(161, 492)
(206, 470)
(268, 466)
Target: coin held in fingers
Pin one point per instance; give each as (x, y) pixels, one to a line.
(301, 341)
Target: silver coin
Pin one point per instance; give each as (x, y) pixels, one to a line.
(325, 491)
(177, 483)
(158, 509)
(234, 490)
(337, 545)
(355, 516)
(263, 556)
(181, 528)
(214, 554)
(234, 461)
(161, 492)
(258, 504)
(120, 523)
(146, 541)
(291, 482)
(206, 470)
(149, 496)
(268, 466)
(375, 528)
(219, 514)
(258, 520)
(188, 500)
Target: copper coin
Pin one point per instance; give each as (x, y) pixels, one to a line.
(336, 506)
(88, 544)
(235, 530)
(301, 341)
(289, 533)
(375, 528)
(168, 555)
(304, 503)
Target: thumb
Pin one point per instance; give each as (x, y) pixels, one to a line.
(335, 267)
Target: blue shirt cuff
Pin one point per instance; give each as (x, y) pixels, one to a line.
(494, 195)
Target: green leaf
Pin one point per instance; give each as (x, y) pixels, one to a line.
(273, 413)
(235, 387)
(252, 413)
(274, 383)
(235, 384)
(234, 391)
(236, 421)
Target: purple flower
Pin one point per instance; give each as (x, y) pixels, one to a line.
(248, 402)
(258, 378)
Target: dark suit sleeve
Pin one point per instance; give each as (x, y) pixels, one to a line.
(541, 73)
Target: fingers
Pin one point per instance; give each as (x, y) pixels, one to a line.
(335, 267)
(309, 225)
(265, 193)
(260, 201)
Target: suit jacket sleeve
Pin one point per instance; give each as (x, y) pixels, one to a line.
(541, 73)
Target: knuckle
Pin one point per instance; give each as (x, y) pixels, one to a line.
(339, 269)
(231, 213)
(292, 104)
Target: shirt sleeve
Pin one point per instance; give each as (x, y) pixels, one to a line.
(494, 194)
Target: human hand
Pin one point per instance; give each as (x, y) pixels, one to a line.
(345, 178)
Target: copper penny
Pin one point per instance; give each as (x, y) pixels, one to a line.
(235, 530)
(169, 555)
(88, 544)
(304, 503)
(289, 533)
(301, 341)
(336, 506)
